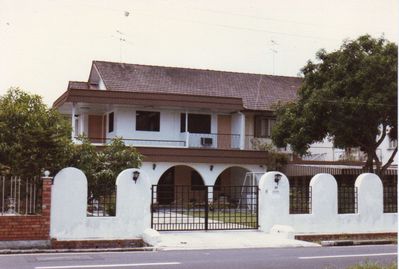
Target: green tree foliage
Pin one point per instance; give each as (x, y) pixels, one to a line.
(33, 137)
(349, 96)
(103, 166)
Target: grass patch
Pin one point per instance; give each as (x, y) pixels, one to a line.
(373, 265)
(241, 218)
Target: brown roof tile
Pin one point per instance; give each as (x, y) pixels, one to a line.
(258, 92)
(80, 85)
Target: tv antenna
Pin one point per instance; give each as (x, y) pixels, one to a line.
(121, 37)
(274, 52)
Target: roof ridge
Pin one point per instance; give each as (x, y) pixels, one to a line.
(194, 69)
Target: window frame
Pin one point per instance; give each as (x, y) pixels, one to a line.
(270, 121)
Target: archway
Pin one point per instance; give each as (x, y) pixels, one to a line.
(229, 185)
(180, 183)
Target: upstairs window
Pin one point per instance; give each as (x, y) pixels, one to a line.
(147, 121)
(111, 122)
(263, 126)
(197, 123)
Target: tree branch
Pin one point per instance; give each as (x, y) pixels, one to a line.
(384, 134)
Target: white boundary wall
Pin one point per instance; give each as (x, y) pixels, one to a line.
(69, 206)
(324, 218)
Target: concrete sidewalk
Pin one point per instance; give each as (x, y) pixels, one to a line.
(225, 240)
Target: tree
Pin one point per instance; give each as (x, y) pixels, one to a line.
(348, 96)
(33, 138)
(102, 167)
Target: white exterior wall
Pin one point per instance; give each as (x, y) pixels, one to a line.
(69, 206)
(324, 218)
(169, 129)
(169, 134)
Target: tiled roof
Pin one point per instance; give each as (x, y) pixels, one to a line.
(258, 92)
(79, 85)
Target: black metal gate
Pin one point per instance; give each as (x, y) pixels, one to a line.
(187, 207)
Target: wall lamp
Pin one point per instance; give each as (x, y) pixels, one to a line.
(211, 167)
(277, 178)
(136, 175)
(154, 166)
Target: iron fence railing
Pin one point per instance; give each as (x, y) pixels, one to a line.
(390, 187)
(300, 196)
(20, 196)
(347, 199)
(102, 205)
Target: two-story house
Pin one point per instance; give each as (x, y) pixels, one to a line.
(193, 126)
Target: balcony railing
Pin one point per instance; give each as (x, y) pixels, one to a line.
(140, 142)
(316, 153)
(219, 141)
(191, 140)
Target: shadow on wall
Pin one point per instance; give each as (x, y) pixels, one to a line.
(69, 207)
(274, 203)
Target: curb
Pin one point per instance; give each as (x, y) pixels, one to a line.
(333, 243)
(33, 251)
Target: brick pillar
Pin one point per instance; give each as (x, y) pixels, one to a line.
(46, 204)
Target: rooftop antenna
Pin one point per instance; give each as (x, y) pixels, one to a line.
(274, 52)
(121, 36)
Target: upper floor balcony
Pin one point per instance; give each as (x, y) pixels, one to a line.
(167, 128)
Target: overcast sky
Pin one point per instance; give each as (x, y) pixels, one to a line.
(44, 43)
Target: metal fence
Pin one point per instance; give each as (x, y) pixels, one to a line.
(347, 199)
(103, 205)
(182, 207)
(300, 195)
(20, 196)
(390, 184)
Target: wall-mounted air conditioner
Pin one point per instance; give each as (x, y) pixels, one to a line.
(206, 141)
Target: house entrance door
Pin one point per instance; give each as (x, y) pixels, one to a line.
(204, 208)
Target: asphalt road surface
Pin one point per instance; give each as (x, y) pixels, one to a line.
(297, 258)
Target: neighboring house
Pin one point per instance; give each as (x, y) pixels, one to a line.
(193, 126)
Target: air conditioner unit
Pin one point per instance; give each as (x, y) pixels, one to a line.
(206, 141)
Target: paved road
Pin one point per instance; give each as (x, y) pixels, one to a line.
(298, 258)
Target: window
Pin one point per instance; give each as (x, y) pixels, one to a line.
(263, 126)
(196, 181)
(147, 121)
(111, 122)
(197, 123)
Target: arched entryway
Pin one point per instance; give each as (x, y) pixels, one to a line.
(181, 184)
(230, 182)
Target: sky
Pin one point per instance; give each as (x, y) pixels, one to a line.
(46, 43)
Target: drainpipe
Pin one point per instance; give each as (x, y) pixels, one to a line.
(242, 130)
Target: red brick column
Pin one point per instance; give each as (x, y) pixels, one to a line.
(35, 227)
(46, 205)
